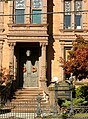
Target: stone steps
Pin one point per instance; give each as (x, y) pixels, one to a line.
(25, 100)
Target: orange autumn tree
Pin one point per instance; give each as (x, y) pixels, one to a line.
(5, 76)
(77, 62)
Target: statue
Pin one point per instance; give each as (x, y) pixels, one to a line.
(30, 71)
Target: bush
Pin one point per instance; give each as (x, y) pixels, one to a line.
(79, 101)
(66, 103)
(82, 92)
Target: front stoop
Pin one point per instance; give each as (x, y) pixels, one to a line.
(25, 101)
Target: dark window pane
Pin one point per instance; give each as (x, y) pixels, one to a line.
(36, 18)
(67, 21)
(78, 20)
(20, 18)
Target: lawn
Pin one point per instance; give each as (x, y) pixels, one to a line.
(81, 115)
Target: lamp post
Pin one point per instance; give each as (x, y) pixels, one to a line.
(71, 105)
(39, 111)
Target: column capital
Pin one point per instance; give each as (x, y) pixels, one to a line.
(1, 41)
(11, 44)
(11, 62)
(85, 0)
(43, 43)
(62, 0)
(1, 44)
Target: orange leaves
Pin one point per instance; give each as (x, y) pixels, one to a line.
(77, 62)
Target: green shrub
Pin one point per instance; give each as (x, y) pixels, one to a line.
(79, 101)
(81, 96)
(66, 103)
(82, 92)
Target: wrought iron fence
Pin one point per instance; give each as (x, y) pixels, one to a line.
(80, 112)
(80, 109)
(29, 110)
(19, 110)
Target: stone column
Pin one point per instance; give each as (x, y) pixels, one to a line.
(15, 67)
(43, 70)
(1, 46)
(43, 67)
(62, 55)
(11, 62)
(40, 63)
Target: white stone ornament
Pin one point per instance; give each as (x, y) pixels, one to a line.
(20, 4)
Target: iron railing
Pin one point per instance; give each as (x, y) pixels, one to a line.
(19, 110)
(28, 110)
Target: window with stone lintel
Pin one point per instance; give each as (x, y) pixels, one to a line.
(24, 9)
(73, 16)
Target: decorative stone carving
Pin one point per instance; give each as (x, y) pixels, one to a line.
(20, 4)
(67, 7)
(78, 7)
(37, 3)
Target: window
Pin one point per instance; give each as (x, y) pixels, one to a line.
(66, 56)
(36, 17)
(78, 16)
(67, 15)
(72, 19)
(36, 10)
(19, 11)
(33, 14)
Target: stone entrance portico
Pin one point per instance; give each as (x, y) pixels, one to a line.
(31, 35)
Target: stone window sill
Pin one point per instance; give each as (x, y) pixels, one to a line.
(27, 25)
(73, 30)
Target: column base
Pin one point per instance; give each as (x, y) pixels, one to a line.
(44, 86)
(38, 118)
